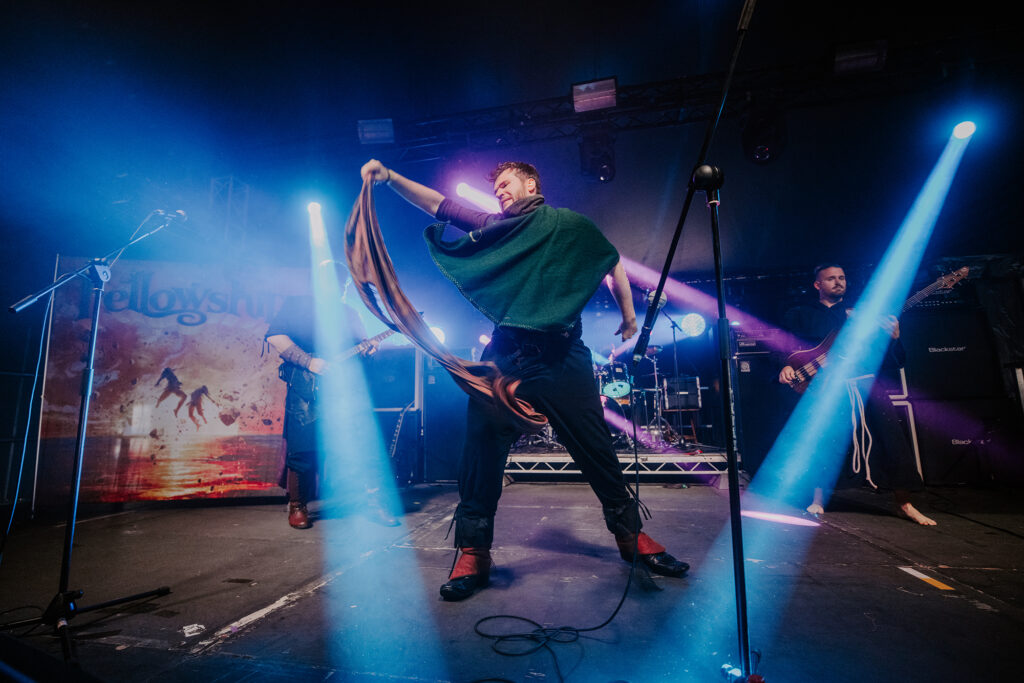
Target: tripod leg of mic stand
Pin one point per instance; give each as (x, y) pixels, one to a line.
(155, 593)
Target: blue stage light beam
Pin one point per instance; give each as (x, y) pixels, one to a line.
(360, 557)
(812, 446)
(485, 200)
(812, 430)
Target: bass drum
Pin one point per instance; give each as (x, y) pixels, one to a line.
(614, 379)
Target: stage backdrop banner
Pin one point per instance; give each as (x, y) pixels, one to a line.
(186, 400)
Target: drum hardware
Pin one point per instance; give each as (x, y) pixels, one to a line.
(544, 439)
(615, 381)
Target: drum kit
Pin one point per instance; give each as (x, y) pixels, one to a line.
(639, 404)
(647, 408)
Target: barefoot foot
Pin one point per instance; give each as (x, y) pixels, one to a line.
(908, 511)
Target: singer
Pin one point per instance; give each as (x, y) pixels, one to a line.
(530, 269)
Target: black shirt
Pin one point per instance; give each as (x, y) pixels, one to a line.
(811, 323)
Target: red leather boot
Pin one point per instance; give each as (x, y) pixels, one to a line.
(471, 573)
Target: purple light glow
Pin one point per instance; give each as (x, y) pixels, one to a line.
(778, 519)
(621, 423)
(689, 297)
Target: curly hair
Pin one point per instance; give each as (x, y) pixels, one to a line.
(521, 169)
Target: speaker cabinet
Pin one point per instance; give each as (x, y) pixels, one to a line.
(444, 422)
(969, 441)
(682, 394)
(950, 354)
(391, 377)
(762, 406)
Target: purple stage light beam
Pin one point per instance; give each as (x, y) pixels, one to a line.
(485, 200)
(689, 297)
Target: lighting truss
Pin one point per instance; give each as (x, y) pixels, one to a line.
(671, 103)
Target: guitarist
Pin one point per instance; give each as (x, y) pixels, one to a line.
(894, 461)
(291, 333)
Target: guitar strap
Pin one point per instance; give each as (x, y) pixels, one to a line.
(377, 283)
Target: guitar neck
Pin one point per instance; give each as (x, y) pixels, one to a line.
(944, 282)
(921, 296)
(363, 345)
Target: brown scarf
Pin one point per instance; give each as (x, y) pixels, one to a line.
(377, 283)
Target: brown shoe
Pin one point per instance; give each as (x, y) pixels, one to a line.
(298, 517)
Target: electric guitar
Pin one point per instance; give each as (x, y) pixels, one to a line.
(364, 345)
(307, 383)
(807, 363)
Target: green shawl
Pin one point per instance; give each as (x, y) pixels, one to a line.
(535, 271)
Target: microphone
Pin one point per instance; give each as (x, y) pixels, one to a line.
(645, 334)
(179, 215)
(661, 302)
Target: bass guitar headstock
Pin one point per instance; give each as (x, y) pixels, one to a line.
(950, 280)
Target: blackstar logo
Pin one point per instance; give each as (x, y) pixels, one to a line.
(946, 349)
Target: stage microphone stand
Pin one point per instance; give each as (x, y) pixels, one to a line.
(709, 179)
(64, 606)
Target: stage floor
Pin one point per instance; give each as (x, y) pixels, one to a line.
(351, 600)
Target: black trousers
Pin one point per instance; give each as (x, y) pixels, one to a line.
(558, 380)
(892, 461)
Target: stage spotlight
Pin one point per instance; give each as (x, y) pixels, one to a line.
(693, 324)
(594, 95)
(317, 233)
(763, 135)
(964, 130)
(376, 131)
(484, 339)
(597, 155)
(438, 332)
(485, 200)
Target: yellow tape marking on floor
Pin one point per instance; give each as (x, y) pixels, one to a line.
(927, 579)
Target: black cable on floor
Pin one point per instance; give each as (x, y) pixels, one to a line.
(542, 637)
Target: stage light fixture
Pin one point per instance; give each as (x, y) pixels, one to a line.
(438, 332)
(485, 200)
(376, 131)
(597, 155)
(595, 95)
(964, 130)
(861, 58)
(693, 324)
(484, 339)
(763, 134)
(317, 232)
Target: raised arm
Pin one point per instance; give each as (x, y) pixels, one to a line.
(624, 299)
(418, 195)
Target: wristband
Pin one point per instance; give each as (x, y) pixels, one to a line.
(388, 181)
(293, 354)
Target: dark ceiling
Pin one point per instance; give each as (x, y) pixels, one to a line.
(113, 109)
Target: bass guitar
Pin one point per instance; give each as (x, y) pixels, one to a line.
(807, 363)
